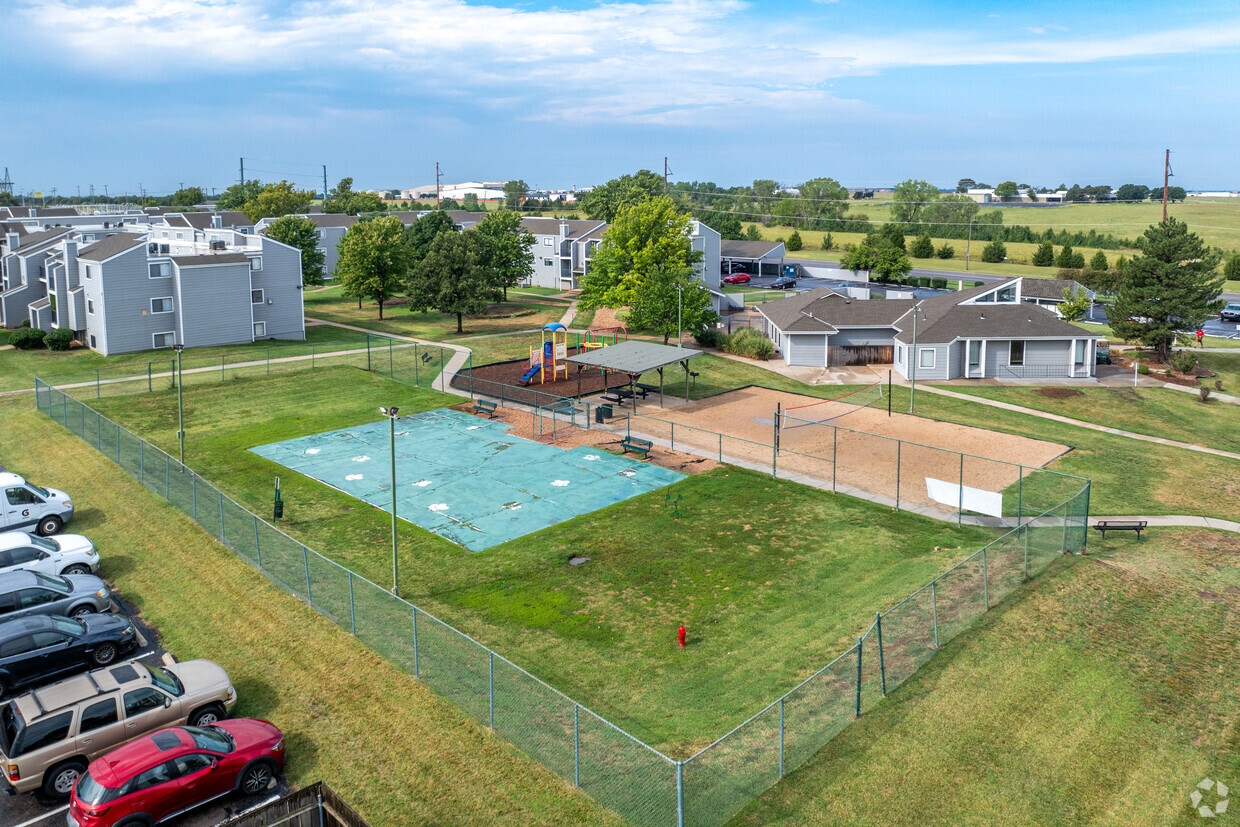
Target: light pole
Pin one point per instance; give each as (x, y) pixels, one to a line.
(390, 413)
(912, 365)
(180, 404)
(680, 291)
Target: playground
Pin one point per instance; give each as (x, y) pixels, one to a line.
(466, 478)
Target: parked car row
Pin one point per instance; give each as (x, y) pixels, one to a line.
(128, 743)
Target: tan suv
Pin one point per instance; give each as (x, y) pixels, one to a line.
(49, 736)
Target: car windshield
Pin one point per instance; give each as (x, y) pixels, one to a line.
(212, 738)
(39, 489)
(52, 581)
(10, 725)
(165, 680)
(45, 543)
(69, 625)
(90, 791)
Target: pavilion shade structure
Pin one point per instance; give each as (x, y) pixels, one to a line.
(634, 358)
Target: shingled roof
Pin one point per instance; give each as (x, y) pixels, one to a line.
(111, 246)
(822, 310)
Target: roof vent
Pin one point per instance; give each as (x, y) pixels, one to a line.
(983, 317)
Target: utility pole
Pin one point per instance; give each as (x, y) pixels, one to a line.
(325, 183)
(105, 191)
(969, 244)
(437, 185)
(79, 189)
(665, 175)
(1166, 176)
(6, 185)
(242, 172)
(92, 192)
(180, 185)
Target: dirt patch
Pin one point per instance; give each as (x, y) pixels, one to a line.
(1161, 371)
(524, 424)
(1059, 393)
(502, 380)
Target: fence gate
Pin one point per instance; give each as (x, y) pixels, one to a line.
(848, 355)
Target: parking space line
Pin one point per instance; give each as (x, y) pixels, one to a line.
(42, 817)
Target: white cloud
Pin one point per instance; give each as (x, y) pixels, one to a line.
(665, 62)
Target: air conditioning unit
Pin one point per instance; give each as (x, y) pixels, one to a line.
(163, 248)
(152, 248)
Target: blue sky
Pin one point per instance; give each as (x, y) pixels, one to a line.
(160, 92)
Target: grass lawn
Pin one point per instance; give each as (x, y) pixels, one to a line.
(19, 367)
(535, 291)
(584, 318)
(1153, 411)
(1105, 331)
(1227, 366)
(1130, 477)
(736, 568)
(1097, 695)
(330, 305)
(391, 747)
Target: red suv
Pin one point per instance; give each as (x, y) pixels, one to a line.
(174, 770)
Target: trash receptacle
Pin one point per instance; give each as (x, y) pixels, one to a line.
(602, 413)
(279, 509)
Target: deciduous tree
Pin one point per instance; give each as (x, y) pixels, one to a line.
(910, 199)
(374, 260)
(1171, 286)
(301, 233)
(654, 303)
(1073, 307)
(275, 200)
(510, 252)
(421, 234)
(454, 277)
(648, 236)
(236, 196)
(188, 197)
(514, 193)
(605, 201)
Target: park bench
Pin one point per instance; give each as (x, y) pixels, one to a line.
(637, 446)
(483, 406)
(1120, 525)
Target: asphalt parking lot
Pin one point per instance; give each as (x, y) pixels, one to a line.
(30, 811)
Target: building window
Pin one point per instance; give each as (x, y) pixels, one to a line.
(256, 263)
(165, 234)
(925, 357)
(256, 297)
(975, 354)
(321, 250)
(547, 262)
(260, 329)
(1079, 351)
(90, 307)
(1016, 355)
(163, 339)
(900, 355)
(92, 341)
(161, 270)
(163, 305)
(180, 236)
(546, 241)
(90, 271)
(322, 233)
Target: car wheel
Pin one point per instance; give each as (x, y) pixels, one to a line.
(104, 654)
(77, 568)
(206, 716)
(255, 778)
(58, 783)
(50, 525)
(78, 611)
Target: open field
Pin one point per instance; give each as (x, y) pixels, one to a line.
(397, 751)
(18, 368)
(1106, 332)
(1129, 477)
(1152, 411)
(1098, 695)
(765, 600)
(399, 320)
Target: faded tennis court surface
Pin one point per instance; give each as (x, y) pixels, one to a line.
(467, 478)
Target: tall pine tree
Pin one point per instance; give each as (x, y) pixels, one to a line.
(1171, 287)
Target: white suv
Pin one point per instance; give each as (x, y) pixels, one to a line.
(64, 554)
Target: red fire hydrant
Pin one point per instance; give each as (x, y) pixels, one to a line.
(681, 635)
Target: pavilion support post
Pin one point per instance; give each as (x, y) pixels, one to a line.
(660, 387)
(685, 365)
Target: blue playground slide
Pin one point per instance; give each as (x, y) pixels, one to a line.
(531, 373)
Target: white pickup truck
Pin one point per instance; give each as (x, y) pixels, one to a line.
(25, 506)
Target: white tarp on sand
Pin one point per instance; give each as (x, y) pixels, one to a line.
(975, 499)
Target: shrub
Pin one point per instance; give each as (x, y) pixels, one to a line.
(1143, 369)
(1099, 262)
(710, 337)
(27, 338)
(940, 283)
(59, 339)
(794, 242)
(1231, 270)
(1044, 256)
(750, 343)
(1183, 361)
(1064, 259)
(828, 243)
(923, 247)
(994, 252)
(946, 251)
(978, 283)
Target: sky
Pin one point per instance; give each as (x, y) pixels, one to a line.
(159, 93)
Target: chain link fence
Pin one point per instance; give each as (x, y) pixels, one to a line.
(615, 768)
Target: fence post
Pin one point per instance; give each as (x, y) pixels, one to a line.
(934, 608)
(391, 364)
(882, 664)
(352, 607)
(576, 747)
(985, 579)
(781, 737)
(415, 364)
(960, 507)
(899, 445)
(680, 794)
(305, 557)
(721, 447)
(1025, 543)
(258, 549)
(1064, 543)
(491, 685)
(415, 642)
(1020, 498)
(221, 368)
(673, 437)
(148, 380)
(858, 677)
(223, 536)
(367, 351)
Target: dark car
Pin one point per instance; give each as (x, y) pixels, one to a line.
(38, 649)
(153, 778)
(783, 283)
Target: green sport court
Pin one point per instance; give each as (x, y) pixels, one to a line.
(466, 478)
